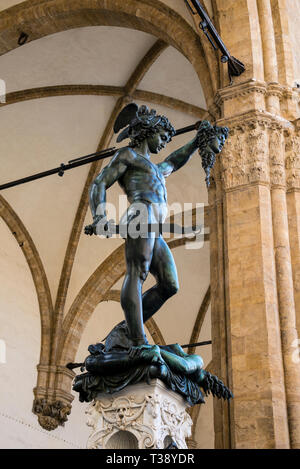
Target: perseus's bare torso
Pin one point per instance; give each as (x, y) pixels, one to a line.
(143, 181)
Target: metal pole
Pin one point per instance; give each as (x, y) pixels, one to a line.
(82, 160)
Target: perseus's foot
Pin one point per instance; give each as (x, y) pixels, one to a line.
(149, 353)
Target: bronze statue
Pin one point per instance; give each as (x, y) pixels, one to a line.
(144, 184)
(127, 356)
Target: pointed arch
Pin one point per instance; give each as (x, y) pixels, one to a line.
(153, 17)
(39, 277)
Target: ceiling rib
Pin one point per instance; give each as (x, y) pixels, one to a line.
(199, 321)
(61, 90)
(103, 90)
(172, 103)
(144, 65)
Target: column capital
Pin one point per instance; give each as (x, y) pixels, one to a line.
(254, 152)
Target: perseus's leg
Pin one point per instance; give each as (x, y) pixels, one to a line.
(138, 253)
(164, 270)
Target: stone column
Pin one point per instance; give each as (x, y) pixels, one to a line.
(258, 414)
(269, 52)
(293, 203)
(285, 287)
(141, 416)
(261, 244)
(219, 327)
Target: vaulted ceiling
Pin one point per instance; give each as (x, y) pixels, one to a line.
(64, 92)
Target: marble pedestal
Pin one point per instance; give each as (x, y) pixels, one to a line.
(139, 417)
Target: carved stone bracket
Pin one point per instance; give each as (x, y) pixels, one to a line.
(141, 416)
(51, 415)
(52, 403)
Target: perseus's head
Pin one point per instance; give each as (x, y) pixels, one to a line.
(143, 124)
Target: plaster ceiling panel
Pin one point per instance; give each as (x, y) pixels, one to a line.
(39, 135)
(173, 75)
(186, 186)
(20, 329)
(93, 55)
(9, 3)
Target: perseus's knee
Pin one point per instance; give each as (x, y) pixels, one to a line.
(144, 270)
(170, 288)
(139, 269)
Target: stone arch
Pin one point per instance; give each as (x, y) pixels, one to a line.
(39, 277)
(52, 16)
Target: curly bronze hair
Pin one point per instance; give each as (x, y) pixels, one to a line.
(206, 133)
(146, 124)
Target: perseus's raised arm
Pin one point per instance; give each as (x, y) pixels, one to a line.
(178, 158)
(105, 179)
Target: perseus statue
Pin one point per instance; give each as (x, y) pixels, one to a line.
(127, 358)
(144, 184)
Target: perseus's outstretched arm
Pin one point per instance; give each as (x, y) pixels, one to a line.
(105, 179)
(178, 158)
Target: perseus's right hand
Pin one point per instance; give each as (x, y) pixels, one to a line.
(92, 229)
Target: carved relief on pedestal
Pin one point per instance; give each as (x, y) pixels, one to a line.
(146, 419)
(170, 421)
